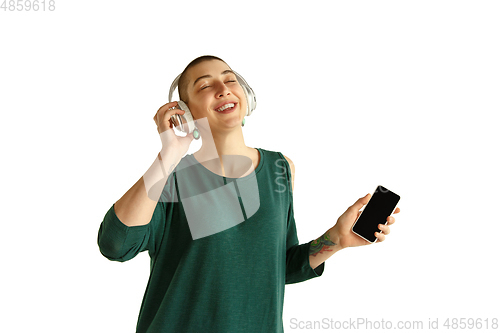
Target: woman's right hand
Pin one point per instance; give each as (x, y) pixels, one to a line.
(171, 142)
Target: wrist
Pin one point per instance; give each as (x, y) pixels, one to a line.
(156, 176)
(324, 247)
(336, 237)
(168, 157)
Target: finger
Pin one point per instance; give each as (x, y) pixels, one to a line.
(397, 210)
(385, 229)
(165, 121)
(380, 236)
(170, 113)
(163, 109)
(173, 121)
(167, 113)
(390, 220)
(361, 202)
(168, 105)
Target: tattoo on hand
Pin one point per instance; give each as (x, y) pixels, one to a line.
(321, 244)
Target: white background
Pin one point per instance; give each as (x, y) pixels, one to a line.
(357, 93)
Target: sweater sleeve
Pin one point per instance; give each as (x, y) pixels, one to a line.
(298, 268)
(119, 242)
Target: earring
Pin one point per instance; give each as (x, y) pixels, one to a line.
(196, 133)
(243, 123)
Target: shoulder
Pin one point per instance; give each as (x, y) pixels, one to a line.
(278, 154)
(292, 168)
(288, 159)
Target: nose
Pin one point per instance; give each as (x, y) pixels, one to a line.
(223, 90)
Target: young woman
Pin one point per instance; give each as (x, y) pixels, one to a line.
(218, 224)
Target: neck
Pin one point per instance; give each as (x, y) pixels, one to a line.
(217, 144)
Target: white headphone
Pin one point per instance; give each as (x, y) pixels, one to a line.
(187, 124)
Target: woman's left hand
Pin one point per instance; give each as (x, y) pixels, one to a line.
(342, 228)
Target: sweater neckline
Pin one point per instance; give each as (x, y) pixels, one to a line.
(194, 161)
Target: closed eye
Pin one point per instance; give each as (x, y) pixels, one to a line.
(204, 87)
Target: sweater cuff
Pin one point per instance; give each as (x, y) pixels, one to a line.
(304, 271)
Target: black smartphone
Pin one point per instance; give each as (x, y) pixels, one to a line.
(381, 205)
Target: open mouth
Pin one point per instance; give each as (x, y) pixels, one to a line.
(226, 108)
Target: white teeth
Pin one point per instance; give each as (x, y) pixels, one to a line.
(227, 106)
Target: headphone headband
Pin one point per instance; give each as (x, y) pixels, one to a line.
(173, 86)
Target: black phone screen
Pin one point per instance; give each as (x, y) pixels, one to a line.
(380, 206)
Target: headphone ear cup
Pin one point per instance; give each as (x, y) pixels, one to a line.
(186, 120)
(251, 100)
(249, 94)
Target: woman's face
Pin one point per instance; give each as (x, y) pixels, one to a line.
(212, 86)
